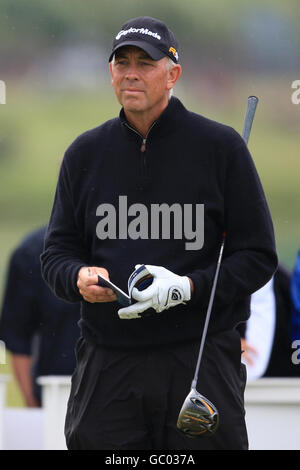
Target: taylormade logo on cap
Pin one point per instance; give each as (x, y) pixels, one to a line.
(137, 30)
(150, 35)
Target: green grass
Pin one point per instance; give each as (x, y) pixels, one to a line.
(37, 127)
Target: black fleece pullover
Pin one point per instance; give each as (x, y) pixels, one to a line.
(186, 161)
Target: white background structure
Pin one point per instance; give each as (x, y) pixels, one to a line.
(272, 415)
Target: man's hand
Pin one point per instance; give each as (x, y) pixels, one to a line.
(22, 367)
(167, 290)
(249, 353)
(87, 281)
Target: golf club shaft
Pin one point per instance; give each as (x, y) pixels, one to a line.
(210, 304)
(249, 116)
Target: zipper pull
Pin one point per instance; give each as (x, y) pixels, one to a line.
(143, 147)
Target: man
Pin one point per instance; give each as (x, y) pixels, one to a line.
(38, 329)
(158, 185)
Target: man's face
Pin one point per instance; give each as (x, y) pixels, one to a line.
(141, 84)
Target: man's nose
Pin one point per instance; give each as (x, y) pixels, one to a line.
(131, 72)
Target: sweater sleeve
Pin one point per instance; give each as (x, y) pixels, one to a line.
(20, 316)
(64, 251)
(249, 258)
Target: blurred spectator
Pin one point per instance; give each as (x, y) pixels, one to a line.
(295, 293)
(39, 329)
(267, 336)
(260, 331)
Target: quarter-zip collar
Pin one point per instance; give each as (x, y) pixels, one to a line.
(167, 122)
(144, 139)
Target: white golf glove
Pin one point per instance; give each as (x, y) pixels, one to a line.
(167, 290)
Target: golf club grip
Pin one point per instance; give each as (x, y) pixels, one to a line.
(249, 116)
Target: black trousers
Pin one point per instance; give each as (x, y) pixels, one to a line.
(130, 400)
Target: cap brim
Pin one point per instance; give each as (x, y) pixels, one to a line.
(153, 52)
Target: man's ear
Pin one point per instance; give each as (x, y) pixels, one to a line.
(173, 76)
(111, 73)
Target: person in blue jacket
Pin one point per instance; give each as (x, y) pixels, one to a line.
(295, 294)
(39, 329)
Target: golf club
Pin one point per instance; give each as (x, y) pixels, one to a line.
(249, 116)
(198, 416)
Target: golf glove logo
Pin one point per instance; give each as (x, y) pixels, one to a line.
(167, 290)
(176, 294)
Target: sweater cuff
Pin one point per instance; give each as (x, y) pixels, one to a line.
(196, 294)
(75, 294)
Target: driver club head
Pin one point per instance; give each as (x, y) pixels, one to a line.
(198, 416)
